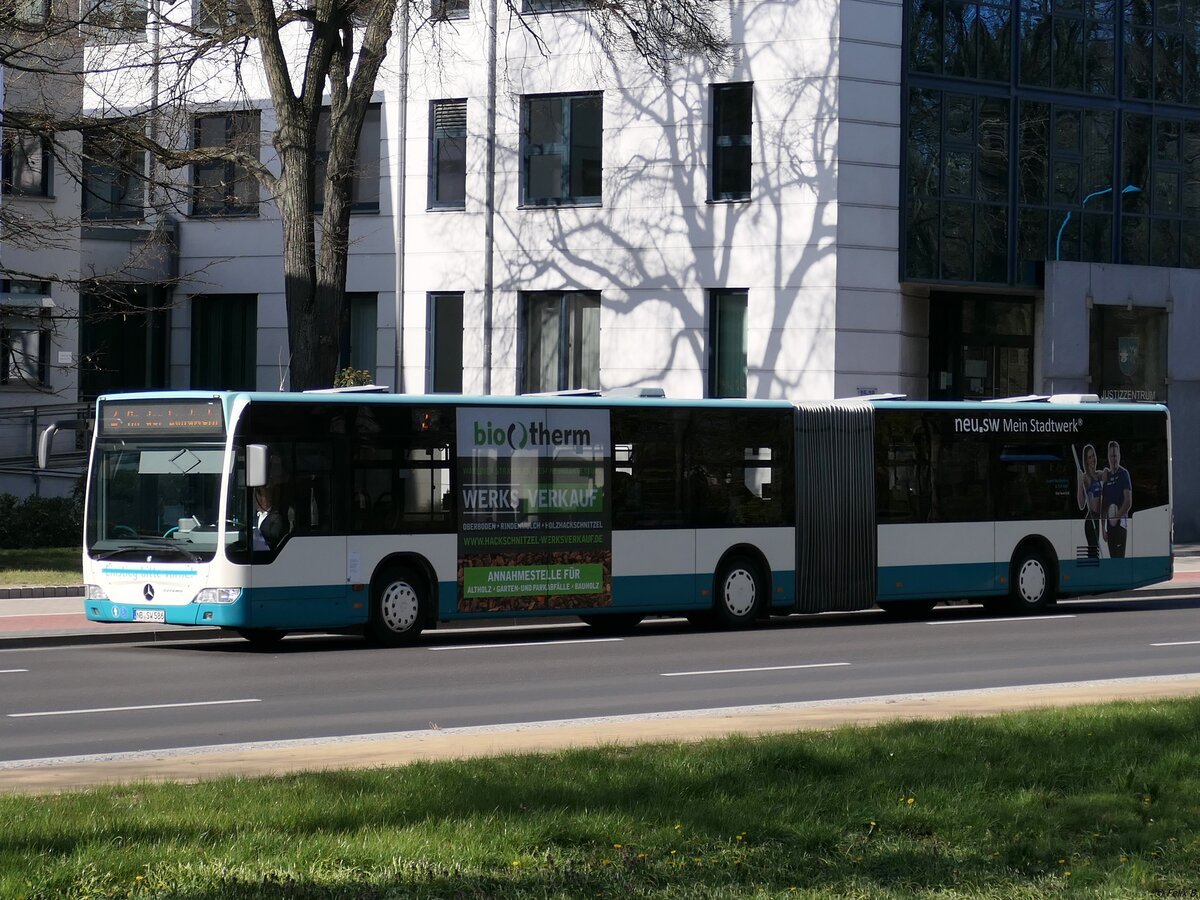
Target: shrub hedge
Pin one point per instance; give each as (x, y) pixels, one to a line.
(35, 522)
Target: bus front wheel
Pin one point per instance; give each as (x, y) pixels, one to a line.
(399, 603)
(1031, 582)
(739, 592)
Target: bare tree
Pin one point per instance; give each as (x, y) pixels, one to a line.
(303, 51)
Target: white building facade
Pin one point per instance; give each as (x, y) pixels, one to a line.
(870, 196)
(713, 232)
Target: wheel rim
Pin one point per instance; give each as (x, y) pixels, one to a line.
(398, 606)
(1031, 581)
(740, 592)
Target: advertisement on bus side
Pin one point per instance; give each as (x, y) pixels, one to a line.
(534, 523)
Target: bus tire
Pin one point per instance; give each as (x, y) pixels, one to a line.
(1031, 581)
(262, 638)
(399, 607)
(613, 623)
(738, 592)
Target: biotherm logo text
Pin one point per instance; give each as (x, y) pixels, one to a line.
(518, 435)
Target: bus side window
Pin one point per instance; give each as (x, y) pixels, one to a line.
(960, 480)
(1036, 482)
(902, 476)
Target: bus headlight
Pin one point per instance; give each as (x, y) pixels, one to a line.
(218, 595)
(94, 592)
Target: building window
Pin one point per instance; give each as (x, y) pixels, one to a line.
(727, 340)
(733, 106)
(359, 337)
(1129, 353)
(980, 348)
(224, 335)
(364, 191)
(561, 149)
(216, 16)
(122, 338)
(1105, 164)
(958, 187)
(561, 330)
(448, 154)
(1160, 191)
(446, 343)
(1160, 63)
(114, 178)
(24, 333)
(442, 10)
(115, 21)
(537, 6)
(30, 12)
(28, 166)
(223, 187)
(1065, 184)
(1068, 47)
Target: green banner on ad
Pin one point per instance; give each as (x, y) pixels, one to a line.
(509, 581)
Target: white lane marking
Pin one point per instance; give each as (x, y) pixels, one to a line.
(723, 712)
(501, 629)
(11, 671)
(1034, 618)
(756, 669)
(1175, 644)
(108, 709)
(527, 644)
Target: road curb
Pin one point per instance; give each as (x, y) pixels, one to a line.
(33, 593)
(75, 638)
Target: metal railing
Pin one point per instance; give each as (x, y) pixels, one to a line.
(20, 427)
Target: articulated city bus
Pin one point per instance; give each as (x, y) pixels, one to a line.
(270, 513)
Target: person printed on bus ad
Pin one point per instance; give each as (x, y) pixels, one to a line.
(1117, 502)
(270, 524)
(1089, 494)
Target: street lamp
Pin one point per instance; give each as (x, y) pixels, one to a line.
(1128, 189)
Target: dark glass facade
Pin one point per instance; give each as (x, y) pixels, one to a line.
(1044, 130)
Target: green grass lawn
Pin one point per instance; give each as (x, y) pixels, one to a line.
(55, 565)
(1092, 802)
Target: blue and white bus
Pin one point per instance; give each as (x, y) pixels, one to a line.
(270, 513)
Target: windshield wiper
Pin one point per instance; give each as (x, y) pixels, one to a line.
(109, 554)
(173, 546)
(151, 546)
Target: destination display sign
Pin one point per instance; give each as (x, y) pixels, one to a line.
(158, 418)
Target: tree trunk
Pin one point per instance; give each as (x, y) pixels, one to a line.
(311, 329)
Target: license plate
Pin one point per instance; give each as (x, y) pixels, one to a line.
(149, 615)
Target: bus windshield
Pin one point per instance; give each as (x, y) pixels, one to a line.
(159, 498)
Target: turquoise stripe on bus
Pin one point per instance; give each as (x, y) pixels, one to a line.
(1086, 577)
(323, 606)
(320, 606)
(636, 593)
(946, 581)
(956, 580)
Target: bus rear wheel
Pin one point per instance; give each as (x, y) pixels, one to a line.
(1030, 582)
(739, 592)
(399, 607)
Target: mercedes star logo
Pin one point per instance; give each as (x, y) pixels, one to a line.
(148, 592)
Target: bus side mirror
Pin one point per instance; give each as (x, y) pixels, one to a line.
(46, 438)
(258, 459)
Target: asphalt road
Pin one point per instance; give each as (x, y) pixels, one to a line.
(62, 702)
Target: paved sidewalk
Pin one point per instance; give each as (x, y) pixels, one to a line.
(31, 617)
